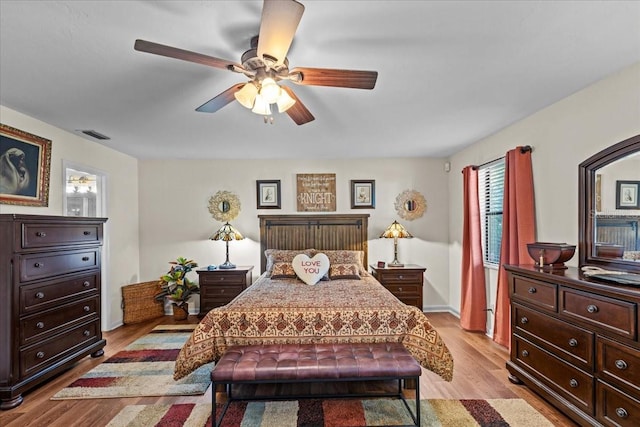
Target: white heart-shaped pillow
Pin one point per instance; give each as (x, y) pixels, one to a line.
(311, 270)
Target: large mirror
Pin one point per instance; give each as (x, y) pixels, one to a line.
(609, 207)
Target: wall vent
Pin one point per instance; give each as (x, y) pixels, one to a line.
(94, 134)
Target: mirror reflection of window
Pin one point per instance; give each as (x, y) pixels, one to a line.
(83, 193)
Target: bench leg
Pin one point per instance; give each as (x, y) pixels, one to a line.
(214, 406)
(416, 381)
(417, 401)
(215, 421)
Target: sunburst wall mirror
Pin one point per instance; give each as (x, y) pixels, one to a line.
(410, 205)
(224, 206)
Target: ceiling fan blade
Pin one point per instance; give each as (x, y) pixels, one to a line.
(185, 55)
(221, 100)
(298, 112)
(337, 78)
(280, 19)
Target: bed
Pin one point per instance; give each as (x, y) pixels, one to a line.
(283, 310)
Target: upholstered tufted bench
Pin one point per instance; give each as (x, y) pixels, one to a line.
(293, 363)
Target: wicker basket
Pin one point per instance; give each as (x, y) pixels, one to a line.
(138, 303)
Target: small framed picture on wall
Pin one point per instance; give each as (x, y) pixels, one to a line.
(627, 195)
(363, 194)
(268, 194)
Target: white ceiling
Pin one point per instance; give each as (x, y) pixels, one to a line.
(450, 73)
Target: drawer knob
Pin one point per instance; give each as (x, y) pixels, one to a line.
(574, 383)
(221, 279)
(86, 308)
(38, 264)
(222, 291)
(524, 320)
(532, 290)
(41, 234)
(40, 355)
(399, 289)
(621, 364)
(85, 258)
(39, 295)
(86, 233)
(621, 412)
(86, 284)
(40, 325)
(525, 353)
(401, 277)
(86, 333)
(592, 308)
(573, 342)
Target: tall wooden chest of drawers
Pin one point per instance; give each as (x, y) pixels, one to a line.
(575, 342)
(49, 298)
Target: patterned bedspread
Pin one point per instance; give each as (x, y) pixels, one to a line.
(289, 311)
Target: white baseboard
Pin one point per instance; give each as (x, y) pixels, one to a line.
(115, 325)
(441, 309)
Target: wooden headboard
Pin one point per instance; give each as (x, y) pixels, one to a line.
(620, 230)
(324, 232)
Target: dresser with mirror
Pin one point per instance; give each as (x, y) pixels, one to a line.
(575, 338)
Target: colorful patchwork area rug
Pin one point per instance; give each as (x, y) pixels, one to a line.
(144, 368)
(337, 413)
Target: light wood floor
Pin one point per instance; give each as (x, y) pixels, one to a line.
(479, 373)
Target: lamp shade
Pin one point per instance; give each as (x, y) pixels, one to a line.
(270, 90)
(284, 101)
(261, 106)
(247, 95)
(396, 230)
(226, 233)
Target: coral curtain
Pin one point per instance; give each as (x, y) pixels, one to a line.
(473, 315)
(518, 229)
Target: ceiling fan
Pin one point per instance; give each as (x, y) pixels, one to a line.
(265, 64)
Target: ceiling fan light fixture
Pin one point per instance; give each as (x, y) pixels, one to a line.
(247, 95)
(270, 90)
(284, 101)
(261, 106)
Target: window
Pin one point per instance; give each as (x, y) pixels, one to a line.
(491, 194)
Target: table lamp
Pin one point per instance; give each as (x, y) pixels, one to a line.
(226, 234)
(397, 231)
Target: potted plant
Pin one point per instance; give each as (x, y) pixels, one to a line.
(177, 288)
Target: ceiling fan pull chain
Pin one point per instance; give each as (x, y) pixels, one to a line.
(268, 119)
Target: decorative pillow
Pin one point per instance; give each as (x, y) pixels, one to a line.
(347, 257)
(311, 270)
(344, 271)
(282, 255)
(283, 270)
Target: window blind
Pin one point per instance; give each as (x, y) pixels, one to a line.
(491, 194)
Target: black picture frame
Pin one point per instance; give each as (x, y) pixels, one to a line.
(363, 194)
(268, 194)
(627, 194)
(25, 167)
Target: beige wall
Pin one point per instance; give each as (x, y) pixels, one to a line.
(175, 221)
(562, 136)
(120, 254)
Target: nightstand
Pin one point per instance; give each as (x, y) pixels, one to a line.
(403, 282)
(219, 287)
